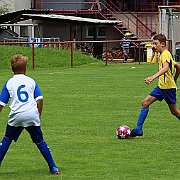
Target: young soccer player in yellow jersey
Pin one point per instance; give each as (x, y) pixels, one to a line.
(168, 74)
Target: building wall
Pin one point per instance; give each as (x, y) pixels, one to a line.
(49, 30)
(148, 19)
(79, 32)
(4, 35)
(22, 4)
(58, 5)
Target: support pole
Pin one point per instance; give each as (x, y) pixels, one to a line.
(71, 46)
(33, 65)
(107, 57)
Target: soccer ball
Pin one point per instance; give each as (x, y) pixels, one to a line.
(123, 132)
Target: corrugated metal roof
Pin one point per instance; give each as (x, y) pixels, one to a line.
(72, 18)
(17, 16)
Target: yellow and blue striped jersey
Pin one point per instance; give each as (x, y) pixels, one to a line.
(166, 80)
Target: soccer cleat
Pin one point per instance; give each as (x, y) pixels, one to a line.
(54, 170)
(135, 132)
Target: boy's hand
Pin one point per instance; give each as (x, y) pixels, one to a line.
(148, 80)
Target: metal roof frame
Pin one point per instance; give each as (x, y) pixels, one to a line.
(17, 16)
(73, 19)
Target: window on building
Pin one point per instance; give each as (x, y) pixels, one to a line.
(23, 31)
(100, 31)
(90, 32)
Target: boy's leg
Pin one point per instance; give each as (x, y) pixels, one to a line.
(142, 116)
(45, 151)
(174, 110)
(12, 133)
(4, 146)
(170, 98)
(37, 137)
(125, 55)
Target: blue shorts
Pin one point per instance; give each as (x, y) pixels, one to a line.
(169, 95)
(35, 132)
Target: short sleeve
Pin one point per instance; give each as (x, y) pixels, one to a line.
(37, 92)
(166, 57)
(4, 97)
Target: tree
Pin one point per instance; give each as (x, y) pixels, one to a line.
(3, 10)
(5, 6)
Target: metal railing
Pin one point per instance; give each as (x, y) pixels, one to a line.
(128, 21)
(101, 8)
(72, 44)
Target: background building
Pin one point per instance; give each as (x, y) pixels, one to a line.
(139, 17)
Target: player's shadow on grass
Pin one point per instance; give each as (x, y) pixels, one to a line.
(30, 172)
(128, 139)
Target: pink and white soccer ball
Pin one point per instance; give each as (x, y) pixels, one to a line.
(123, 132)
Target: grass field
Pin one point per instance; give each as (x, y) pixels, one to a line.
(44, 58)
(83, 106)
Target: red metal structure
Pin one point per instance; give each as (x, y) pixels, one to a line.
(134, 13)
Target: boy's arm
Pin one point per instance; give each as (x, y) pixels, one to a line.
(148, 80)
(177, 66)
(40, 105)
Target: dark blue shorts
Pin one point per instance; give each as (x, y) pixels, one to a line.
(169, 95)
(34, 131)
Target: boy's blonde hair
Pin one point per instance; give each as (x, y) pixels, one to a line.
(18, 63)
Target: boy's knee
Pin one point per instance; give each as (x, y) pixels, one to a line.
(145, 104)
(175, 111)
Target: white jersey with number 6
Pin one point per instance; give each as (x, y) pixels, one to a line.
(23, 93)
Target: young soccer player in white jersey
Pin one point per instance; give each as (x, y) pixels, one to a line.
(26, 103)
(168, 74)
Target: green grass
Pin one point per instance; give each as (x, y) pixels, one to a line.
(83, 106)
(44, 58)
